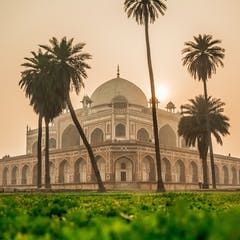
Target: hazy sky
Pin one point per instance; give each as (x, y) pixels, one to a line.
(114, 39)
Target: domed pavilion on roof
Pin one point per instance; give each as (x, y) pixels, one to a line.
(117, 122)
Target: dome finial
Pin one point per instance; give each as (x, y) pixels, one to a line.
(118, 72)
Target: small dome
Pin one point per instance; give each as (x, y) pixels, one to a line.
(170, 107)
(116, 89)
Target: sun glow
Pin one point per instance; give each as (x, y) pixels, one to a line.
(162, 92)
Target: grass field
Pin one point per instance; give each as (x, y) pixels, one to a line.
(120, 216)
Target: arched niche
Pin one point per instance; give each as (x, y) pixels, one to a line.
(166, 170)
(35, 175)
(101, 163)
(97, 136)
(64, 172)
(34, 148)
(14, 175)
(142, 135)
(225, 175)
(25, 174)
(80, 170)
(234, 176)
(120, 130)
(217, 177)
(70, 137)
(148, 169)
(52, 143)
(193, 172)
(123, 170)
(167, 136)
(5, 176)
(180, 171)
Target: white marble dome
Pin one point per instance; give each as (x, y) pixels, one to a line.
(118, 87)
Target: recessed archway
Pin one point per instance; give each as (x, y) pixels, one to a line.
(5, 179)
(225, 175)
(120, 130)
(97, 136)
(80, 171)
(70, 137)
(234, 176)
(52, 143)
(34, 148)
(193, 172)
(25, 174)
(14, 175)
(35, 175)
(217, 174)
(148, 169)
(64, 172)
(166, 170)
(101, 163)
(180, 171)
(123, 170)
(142, 135)
(167, 136)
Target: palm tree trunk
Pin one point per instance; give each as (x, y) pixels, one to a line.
(47, 170)
(209, 140)
(160, 185)
(212, 163)
(101, 187)
(205, 174)
(39, 153)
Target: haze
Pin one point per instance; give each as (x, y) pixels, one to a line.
(114, 39)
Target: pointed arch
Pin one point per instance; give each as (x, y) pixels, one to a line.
(80, 171)
(225, 175)
(217, 177)
(167, 136)
(120, 130)
(35, 175)
(148, 169)
(34, 148)
(97, 136)
(64, 172)
(180, 171)
(14, 175)
(143, 135)
(239, 177)
(52, 172)
(70, 137)
(101, 163)
(234, 175)
(5, 176)
(166, 170)
(25, 174)
(193, 172)
(52, 143)
(123, 170)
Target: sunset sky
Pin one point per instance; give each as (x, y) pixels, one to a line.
(114, 39)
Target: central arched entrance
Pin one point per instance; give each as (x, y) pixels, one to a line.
(148, 169)
(123, 170)
(64, 172)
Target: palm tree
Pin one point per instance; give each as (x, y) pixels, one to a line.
(37, 81)
(28, 78)
(53, 106)
(202, 57)
(70, 70)
(192, 126)
(145, 12)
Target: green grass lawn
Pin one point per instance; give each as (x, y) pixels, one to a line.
(120, 216)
